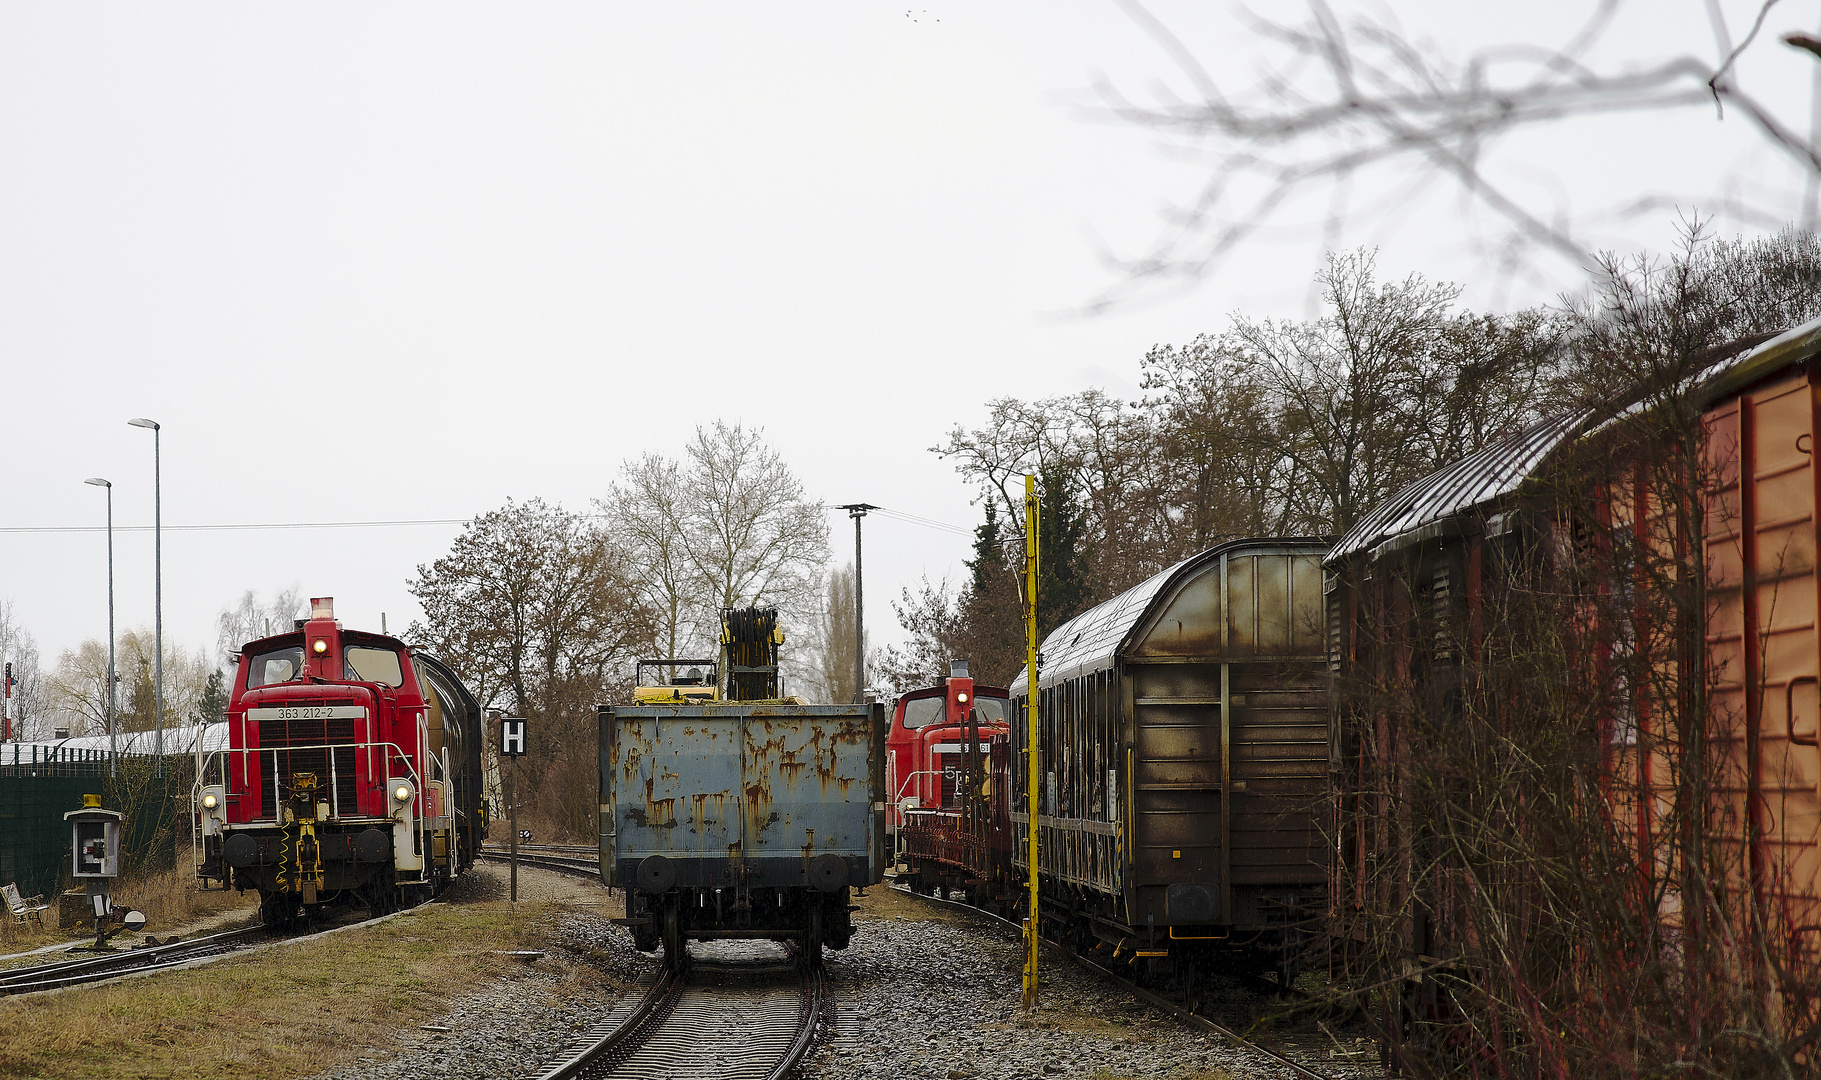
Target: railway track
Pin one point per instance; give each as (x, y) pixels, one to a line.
(38, 978)
(588, 866)
(741, 1019)
(1296, 1068)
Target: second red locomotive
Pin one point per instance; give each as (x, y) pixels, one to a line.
(937, 757)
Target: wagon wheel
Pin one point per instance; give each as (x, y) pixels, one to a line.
(812, 941)
(278, 909)
(1191, 988)
(674, 950)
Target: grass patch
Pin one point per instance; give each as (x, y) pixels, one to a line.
(169, 898)
(885, 903)
(286, 1011)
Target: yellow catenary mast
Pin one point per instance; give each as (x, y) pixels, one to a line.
(1030, 742)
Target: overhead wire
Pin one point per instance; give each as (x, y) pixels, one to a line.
(251, 526)
(915, 519)
(233, 526)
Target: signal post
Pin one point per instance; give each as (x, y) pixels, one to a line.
(512, 745)
(1031, 733)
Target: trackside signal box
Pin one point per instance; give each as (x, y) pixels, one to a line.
(95, 838)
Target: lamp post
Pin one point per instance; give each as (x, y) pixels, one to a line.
(858, 511)
(113, 745)
(157, 594)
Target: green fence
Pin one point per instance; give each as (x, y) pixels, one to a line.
(36, 792)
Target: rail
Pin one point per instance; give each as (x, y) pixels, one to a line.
(38, 978)
(1157, 1000)
(672, 1022)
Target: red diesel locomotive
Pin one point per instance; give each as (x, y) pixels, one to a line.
(936, 769)
(352, 773)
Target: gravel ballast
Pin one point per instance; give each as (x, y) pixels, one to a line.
(921, 992)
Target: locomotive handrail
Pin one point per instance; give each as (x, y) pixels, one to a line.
(898, 799)
(393, 752)
(397, 755)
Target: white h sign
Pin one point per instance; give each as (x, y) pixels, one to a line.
(512, 736)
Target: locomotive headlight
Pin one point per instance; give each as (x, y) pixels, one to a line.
(962, 698)
(320, 646)
(210, 802)
(402, 793)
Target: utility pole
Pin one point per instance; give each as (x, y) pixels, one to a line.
(858, 511)
(1032, 775)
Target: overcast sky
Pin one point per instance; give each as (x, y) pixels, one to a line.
(402, 262)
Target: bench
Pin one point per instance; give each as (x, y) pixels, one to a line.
(22, 907)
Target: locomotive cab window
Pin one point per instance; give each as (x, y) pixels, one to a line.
(367, 664)
(922, 712)
(277, 666)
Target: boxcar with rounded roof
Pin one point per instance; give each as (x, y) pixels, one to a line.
(1184, 757)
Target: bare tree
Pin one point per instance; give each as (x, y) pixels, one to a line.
(535, 607)
(75, 692)
(1105, 448)
(644, 513)
(18, 648)
(833, 639)
(1387, 386)
(754, 536)
(1363, 103)
(252, 618)
(729, 526)
(933, 619)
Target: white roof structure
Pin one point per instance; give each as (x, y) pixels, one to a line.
(177, 741)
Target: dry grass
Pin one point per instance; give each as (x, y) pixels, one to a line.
(170, 899)
(285, 1011)
(885, 903)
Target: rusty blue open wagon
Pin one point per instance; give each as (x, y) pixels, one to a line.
(741, 819)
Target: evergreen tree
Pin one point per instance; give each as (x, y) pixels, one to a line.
(989, 556)
(1062, 550)
(213, 704)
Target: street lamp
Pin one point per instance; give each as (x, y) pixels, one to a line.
(858, 511)
(113, 745)
(157, 594)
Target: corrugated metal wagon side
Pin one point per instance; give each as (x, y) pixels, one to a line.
(1628, 598)
(750, 820)
(1185, 759)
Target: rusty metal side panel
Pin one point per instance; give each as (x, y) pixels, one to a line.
(807, 781)
(718, 787)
